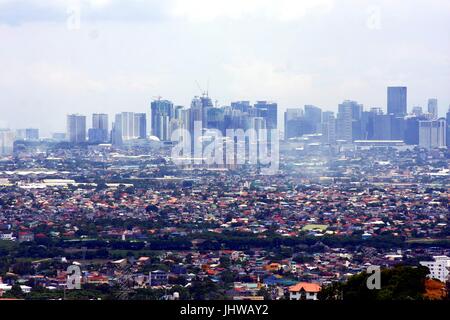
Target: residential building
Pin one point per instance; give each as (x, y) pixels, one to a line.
(304, 291)
(439, 268)
(432, 133)
(76, 128)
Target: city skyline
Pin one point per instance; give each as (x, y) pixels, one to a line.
(410, 110)
(295, 53)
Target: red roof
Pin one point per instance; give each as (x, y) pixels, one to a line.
(307, 287)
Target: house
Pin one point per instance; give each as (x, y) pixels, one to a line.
(7, 236)
(304, 291)
(26, 237)
(158, 278)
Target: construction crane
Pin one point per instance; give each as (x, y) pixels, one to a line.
(203, 92)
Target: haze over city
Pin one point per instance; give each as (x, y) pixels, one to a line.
(123, 54)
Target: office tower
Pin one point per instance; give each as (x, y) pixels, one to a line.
(376, 110)
(328, 128)
(99, 131)
(313, 118)
(382, 126)
(412, 129)
(398, 127)
(236, 119)
(397, 101)
(76, 128)
(367, 125)
(448, 127)
(268, 111)
(215, 119)
(417, 111)
(7, 138)
(206, 106)
(327, 115)
(344, 121)
(432, 134)
(433, 108)
(162, 111)
(178, 112)
(243, 106)
(293, 123)
(195, 114)
(258, 123)
(28, 134)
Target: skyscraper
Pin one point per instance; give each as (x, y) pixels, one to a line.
(140, 125)
(76, 128)
(344, 121)
(433, 108)
(382, 126)
(412, 129)
(29, 134)
(397, 101)
(432, 134)
(293, 123)
(268, 111)
(99, 131)
(6, 142)
(162, 111)
(328, 128)
(313, 118)
(129, 126)
(448, 127)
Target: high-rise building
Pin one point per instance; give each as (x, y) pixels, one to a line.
(129, 126)
(432, 133)
(417, 111)
(397, 101)
(328, 128)
(382, 126)
(215, 119)
(243, 106)
(195, 114)
(412, 129)
(398, 126)
(268, 111)
(99, 132)
(293, 123)
(433, 108)
(344, 121)
(140, 125)
(29, 134)
(162, 111)
(76, 128)
(313, 118)
(7, 138)
(448, 127)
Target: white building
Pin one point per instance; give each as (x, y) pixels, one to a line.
(432, 134)
(7, 138)
(439, 268)
(76, 128)
(304, 291)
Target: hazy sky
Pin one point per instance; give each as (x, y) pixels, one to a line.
(122, 54)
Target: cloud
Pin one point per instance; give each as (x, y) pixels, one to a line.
(281, 10)
(264, 80)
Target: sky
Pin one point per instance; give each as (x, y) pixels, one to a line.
(87, 56)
